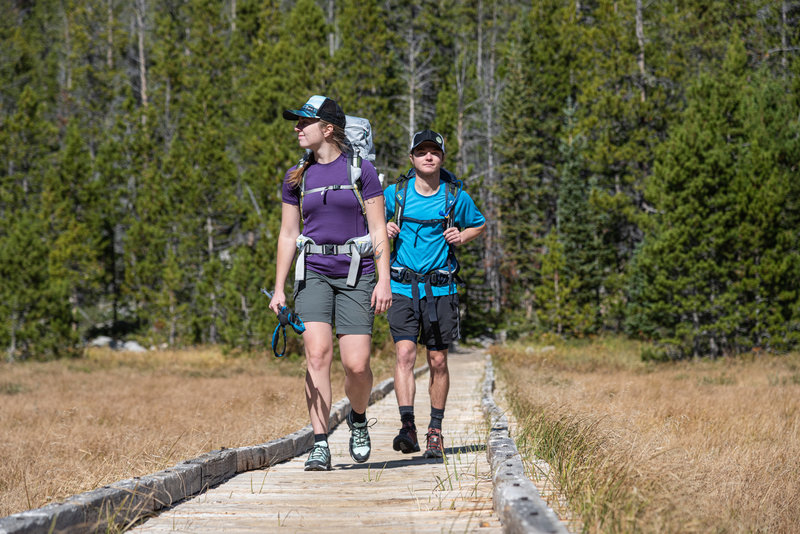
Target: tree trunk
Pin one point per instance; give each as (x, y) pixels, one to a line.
(640, 57)
(12, 347)
(173, 319)
(412, 84)
(67, 55)
(461, 89)
(492, 251)
(332, 33)
(140, 13)
(557, 296)
(784, 40)
(212, 328)
(110, 39)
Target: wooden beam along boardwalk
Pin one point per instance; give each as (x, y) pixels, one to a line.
(479, 486)
(391, 492)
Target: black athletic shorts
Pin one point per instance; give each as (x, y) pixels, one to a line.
(406, 323)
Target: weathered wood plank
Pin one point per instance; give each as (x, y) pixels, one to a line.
(391, 492)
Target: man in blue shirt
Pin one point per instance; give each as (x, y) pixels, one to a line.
(433, 216)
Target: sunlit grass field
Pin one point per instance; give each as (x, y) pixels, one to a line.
(70, 426)
(699, 446)
(696, 446)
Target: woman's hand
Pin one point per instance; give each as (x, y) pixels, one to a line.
(382, 296)
(278, 301)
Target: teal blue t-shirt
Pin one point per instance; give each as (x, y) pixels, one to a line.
(422, 247)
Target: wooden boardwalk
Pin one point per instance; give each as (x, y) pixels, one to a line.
(391, 492)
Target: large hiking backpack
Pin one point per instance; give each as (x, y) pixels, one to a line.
(360, 147)
(447, 213)
(438, 277)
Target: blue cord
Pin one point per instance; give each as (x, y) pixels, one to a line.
(286, 317)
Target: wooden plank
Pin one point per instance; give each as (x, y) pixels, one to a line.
(391, 492)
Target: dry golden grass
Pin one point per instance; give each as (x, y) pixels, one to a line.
(73, 425)
(701, 446)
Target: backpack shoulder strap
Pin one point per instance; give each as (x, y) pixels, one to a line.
(453, 188)
(400, 190)
(354, 162)
(303, 159)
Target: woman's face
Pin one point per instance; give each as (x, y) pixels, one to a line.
(309, 132)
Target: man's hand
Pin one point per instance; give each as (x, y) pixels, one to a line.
(392, 229)
(453, 236)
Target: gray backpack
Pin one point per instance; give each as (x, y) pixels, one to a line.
(359, 140)
(360, 147)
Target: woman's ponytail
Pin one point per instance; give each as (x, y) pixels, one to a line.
(296, 176)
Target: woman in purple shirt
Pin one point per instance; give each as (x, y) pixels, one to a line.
(342, 247)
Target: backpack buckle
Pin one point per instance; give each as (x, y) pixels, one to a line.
(328, 249)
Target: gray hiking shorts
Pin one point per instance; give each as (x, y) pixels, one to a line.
(324, 299)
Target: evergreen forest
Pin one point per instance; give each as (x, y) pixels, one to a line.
(637, 161)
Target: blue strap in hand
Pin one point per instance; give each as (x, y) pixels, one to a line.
(286, 317)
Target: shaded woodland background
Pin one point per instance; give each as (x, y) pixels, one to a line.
(637, 161)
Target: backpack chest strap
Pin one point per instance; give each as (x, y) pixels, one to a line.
(403, 218)
(324, 190)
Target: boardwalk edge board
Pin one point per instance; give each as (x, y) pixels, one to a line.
(127, 502)
(517, 502)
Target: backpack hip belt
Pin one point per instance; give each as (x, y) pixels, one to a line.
(356, 248)
(438, 278)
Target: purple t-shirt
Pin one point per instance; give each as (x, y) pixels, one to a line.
(334, 217)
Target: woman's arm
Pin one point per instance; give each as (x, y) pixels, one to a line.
(287, 243)
(376, 219)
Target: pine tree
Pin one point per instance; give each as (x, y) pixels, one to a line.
(365, 81)
(556, 309)
(70, 196)
(28, 144)
(578, 234)
(539, 59)
(707, 280)
(414, 24)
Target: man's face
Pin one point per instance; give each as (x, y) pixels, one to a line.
(427, 158)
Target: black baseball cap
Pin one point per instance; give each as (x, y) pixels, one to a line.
(318, 107)
(427, 135)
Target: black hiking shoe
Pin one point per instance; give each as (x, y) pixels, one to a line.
(406, 440)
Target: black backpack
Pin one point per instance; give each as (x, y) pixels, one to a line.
(447, 214)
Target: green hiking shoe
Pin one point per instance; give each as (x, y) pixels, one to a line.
(360, 445)
(319, 459)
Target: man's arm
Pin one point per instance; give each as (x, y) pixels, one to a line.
(457, 237)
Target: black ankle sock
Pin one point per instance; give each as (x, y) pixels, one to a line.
(436, 418)
(406, 414)
(320, 437)
(358, 417)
